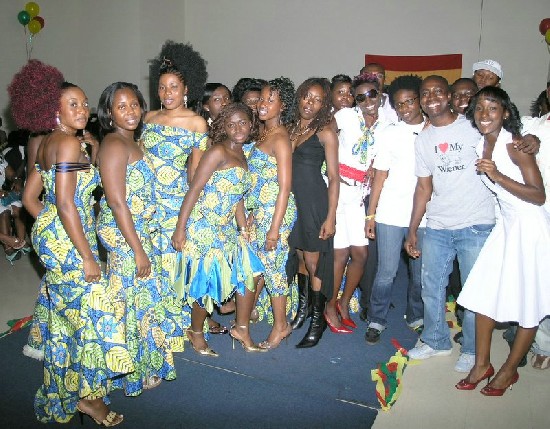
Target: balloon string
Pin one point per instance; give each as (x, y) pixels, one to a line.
(27, 44)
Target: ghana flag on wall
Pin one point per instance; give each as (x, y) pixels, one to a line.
(449, 66)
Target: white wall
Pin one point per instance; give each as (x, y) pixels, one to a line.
(98, 42)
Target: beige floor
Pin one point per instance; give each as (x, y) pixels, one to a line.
(428, 400)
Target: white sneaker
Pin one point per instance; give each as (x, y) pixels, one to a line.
(424, 351)
(465, 362)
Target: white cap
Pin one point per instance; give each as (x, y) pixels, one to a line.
(490, 65)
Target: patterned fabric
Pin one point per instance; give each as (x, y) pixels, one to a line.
(168, 148)
(84, 336)
(215, 261)
(148, 323)
(261, 201)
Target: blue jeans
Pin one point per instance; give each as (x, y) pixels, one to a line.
(390, 243)
(438, 251)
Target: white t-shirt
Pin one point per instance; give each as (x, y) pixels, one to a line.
(459, 198)
(396, 154)
(540, 127)
(348, 121)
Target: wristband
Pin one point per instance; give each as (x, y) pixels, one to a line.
(370, 217)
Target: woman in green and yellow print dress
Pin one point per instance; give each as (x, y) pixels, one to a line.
(124, 226)
(84, 341)
(272, 205)
(170, 136)
(216, 261)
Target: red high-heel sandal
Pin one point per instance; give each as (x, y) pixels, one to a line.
(466, 385)
(493, 391)
(342, 330)
(348, 322)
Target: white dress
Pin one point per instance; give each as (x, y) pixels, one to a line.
(510, 280)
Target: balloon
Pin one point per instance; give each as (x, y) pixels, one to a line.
(23, 17)
(32, 8)
(547, 36)
(544, 26)
(40, 20)
(34, 26)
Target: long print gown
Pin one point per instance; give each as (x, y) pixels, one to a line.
(147, 326)
(261, 202)
(216, 261)
(84, 339)
(168, 148)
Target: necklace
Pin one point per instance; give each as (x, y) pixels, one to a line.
(295, 135)
(267, 133)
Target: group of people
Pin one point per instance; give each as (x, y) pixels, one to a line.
(268, 201)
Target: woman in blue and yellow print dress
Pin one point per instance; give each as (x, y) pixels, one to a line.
(272, 205)
(215, 261)
(84, 341)
(169, 137)
(124, 226)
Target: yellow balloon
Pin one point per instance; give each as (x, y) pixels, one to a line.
(34, 26)
(32, 8)
(547, 36)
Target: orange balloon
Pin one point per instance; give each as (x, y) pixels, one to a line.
(34, 26)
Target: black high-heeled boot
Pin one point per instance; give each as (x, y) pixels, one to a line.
(318, 323)
(304, 303)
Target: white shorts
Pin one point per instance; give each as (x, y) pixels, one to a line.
(350, 218)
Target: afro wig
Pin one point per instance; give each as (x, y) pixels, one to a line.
(34, 93)
(186, 63)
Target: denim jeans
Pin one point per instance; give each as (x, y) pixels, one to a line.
(390, 243)
(541, 344)
(438, 251)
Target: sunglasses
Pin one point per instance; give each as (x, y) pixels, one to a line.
(372, 93)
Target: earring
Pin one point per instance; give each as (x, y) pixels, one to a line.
(161, 106)
(57, 120)
(185, 101)
(111, 123)
(209, 121)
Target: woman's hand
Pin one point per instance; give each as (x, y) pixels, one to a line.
(489, 167)
(178, 239)
(370, 229)
(143, 264)
(92, 272)
(271, 240)
(328, 229)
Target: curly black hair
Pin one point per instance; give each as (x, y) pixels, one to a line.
(408, 83)
(324, 116)
(182, 60)
(217, 131)
(285, 88)
(105, 107)
(339, 78)
(246, 84)
(512, 123)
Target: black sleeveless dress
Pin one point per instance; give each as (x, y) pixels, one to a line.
(311, 194)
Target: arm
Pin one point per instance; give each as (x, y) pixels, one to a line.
(422, 194)
(65, 186)
(193, 162)
(32, 150)
(330, 142)
(533, 189)
(282, 151)
(380, 177)
(212, 159)
(31, 193)
(113, 156)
